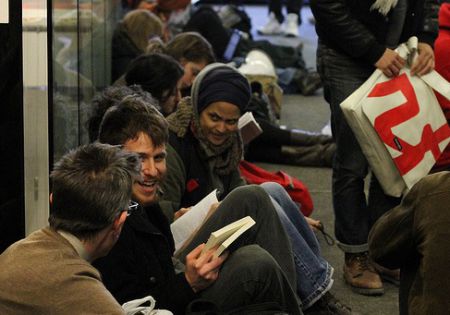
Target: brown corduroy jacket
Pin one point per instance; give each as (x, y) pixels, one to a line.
(43, 274)
(415, 236)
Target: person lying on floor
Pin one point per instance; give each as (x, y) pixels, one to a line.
(229, 44)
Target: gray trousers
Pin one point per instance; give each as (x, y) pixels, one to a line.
(260, 267)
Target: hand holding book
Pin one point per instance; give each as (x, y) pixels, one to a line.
(202, 267)
(223, 238)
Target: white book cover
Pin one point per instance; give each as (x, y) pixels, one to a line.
(227, 235)
(249, 127)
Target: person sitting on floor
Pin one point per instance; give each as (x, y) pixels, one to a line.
(50, 271)
(141, 262)
(191, 50)
(204, 154)
(158, 74)
(274, 145)
(131, 37)
(229, 44)
(414, 237)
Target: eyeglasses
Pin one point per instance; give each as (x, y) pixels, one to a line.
(133, 205)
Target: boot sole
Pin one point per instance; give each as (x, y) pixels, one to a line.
(390, 279)
(367, 291)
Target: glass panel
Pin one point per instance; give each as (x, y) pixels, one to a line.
(35, 113)
(82, 33)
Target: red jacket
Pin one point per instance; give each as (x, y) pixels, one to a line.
(442, 60)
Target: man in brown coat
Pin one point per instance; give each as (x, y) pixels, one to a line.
(414, 236)
(49, 272)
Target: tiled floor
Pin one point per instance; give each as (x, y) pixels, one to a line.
(312, 113)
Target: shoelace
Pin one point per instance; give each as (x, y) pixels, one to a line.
(363, 261)
(328, 238)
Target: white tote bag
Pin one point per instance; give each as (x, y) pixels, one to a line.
(399, 124)
(136, 307)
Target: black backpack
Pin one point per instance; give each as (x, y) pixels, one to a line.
(235, 17)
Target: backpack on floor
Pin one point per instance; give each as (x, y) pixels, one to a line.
(235, 17)
(295, 188)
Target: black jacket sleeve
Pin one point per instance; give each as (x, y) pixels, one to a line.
(336, 22)
(140, 264)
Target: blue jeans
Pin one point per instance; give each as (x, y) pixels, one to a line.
(341, 76)
(313, 272)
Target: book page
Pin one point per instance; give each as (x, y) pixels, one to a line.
(188, 223)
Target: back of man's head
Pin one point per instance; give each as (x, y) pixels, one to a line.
(91, 186)
(109, 97)
(131, 117)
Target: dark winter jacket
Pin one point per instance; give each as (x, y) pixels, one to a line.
(349, 26)
(140, 264)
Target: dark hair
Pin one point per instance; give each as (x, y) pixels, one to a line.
(157, 74)
(91, 185)
(111, 96)
(130, 117)
(191, 46)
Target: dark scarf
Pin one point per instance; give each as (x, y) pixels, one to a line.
(223, 159)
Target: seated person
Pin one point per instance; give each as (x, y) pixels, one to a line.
(110, 96)
(158, 74)
(49, 272)
(275, 145)
(191, 50)
(131, 37)
(141, 262)
(204, 154)
(414, 237)
(231, 45)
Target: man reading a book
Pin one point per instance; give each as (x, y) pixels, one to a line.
(256, 273)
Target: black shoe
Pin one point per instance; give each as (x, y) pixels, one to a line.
(329, 305)
(308, 83)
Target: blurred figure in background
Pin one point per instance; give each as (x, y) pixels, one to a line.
(278, 24)
(130, 39)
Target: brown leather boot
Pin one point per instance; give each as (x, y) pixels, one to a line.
(361, 275)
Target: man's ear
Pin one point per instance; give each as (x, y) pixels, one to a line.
(119, 222)
(51, 198)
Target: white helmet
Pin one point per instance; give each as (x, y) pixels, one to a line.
(258, 62)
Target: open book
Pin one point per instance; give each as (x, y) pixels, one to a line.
(249, 127)
(227, 235)
(184, 227)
